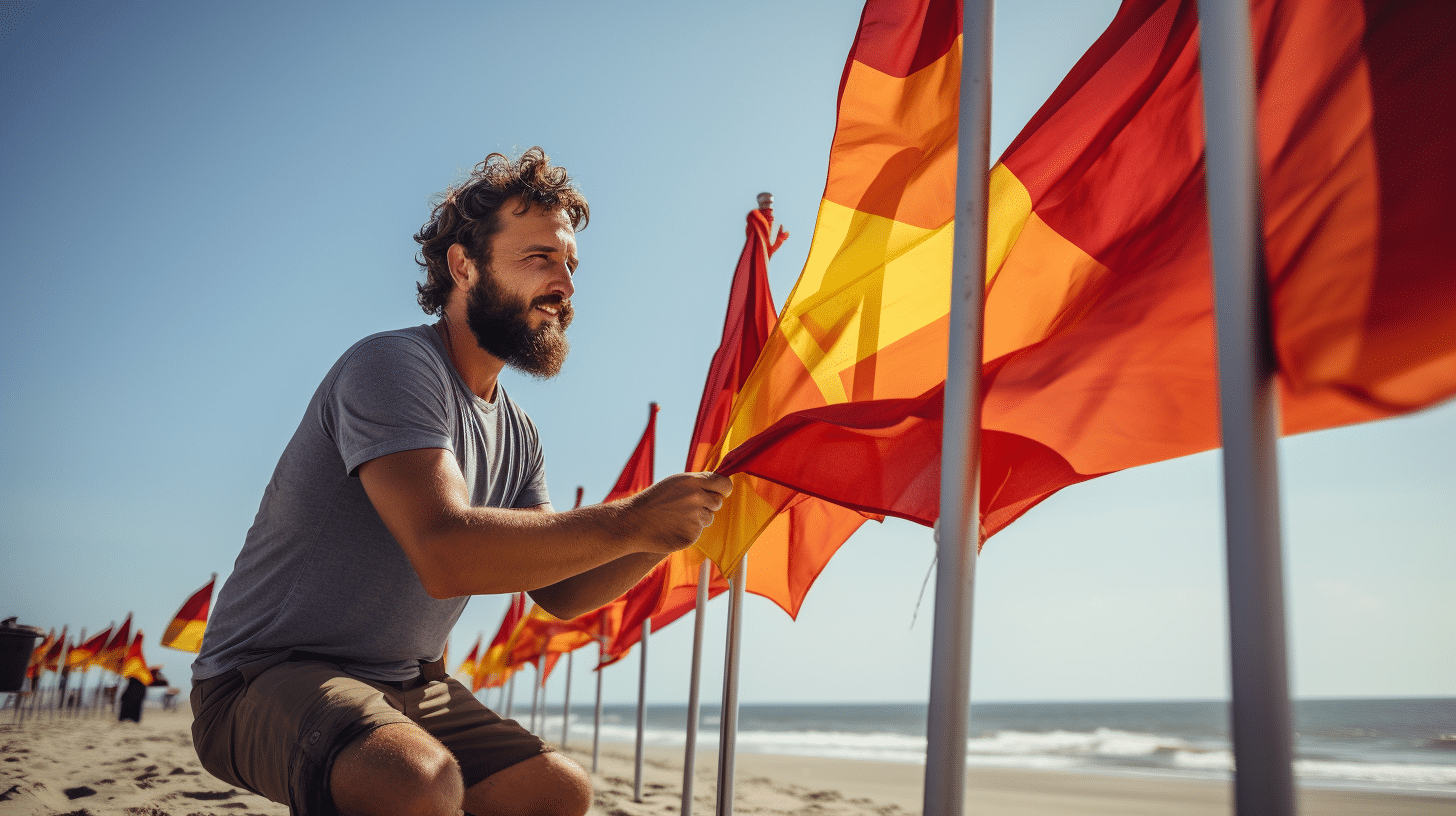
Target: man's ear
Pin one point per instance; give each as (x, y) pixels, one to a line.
(462, 269)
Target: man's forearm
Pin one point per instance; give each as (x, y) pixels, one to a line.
(596, 587)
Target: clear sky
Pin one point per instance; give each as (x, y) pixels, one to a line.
(203, 205)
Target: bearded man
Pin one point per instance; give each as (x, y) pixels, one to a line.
(412, 483)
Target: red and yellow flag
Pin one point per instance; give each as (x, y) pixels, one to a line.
(185, 631)
(112, 657)
(1099, 339)
(867, 318)
(52, 659)
(135, 664)
(471, 662)
(83, 656)
(34, 665)
(493, 669)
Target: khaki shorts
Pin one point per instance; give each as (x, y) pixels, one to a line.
(274, 727)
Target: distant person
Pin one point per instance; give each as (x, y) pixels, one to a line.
(412, 483)
(131, 701)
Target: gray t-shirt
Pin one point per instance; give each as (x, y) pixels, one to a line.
(319, 571)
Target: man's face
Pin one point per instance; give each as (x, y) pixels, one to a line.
(520, 306)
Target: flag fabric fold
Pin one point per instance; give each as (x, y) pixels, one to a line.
(185, 631)
(1099, 340)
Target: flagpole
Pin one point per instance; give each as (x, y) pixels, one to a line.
(641, 713)
(566, 702)
(728, 717)
(536, 687)
(1262, 716)
(960, 466)
(597, 715)
(510, 693)
(80, 679)
(690, 750)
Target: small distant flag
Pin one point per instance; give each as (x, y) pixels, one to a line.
(135, 664)
(185, 631)
(85, 654)
(471, 663)
(112, 657)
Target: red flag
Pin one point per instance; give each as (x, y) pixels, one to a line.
(1099, 349)
(185, 631)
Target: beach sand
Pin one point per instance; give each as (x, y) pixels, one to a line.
(100, 767)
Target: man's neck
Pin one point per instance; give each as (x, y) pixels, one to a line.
(476, 366)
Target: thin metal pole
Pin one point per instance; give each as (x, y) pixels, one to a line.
(690, 749)
(728, 717)
(641, 713)
(1262, 715)
(566, 702)
(958, 530)
(597, 717)
(536, 687)
(510, 694)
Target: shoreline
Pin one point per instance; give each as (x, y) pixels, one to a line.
(99, 767)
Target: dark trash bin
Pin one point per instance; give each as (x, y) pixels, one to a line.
(17, 642)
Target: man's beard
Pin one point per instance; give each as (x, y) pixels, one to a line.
(502, 327)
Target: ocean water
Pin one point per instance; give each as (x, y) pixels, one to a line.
(1387, 744)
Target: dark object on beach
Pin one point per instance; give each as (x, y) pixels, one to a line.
(78, 792)
(16, 644)
(131, 700)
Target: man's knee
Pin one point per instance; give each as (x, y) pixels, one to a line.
(544, 784)
(396, 768)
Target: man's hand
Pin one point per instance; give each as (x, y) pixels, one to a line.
(671, 514)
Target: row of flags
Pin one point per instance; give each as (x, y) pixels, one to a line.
(1098, 347)
(116, 650)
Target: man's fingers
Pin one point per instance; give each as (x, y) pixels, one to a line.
(716, 483)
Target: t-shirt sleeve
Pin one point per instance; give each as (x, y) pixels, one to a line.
(389, 395)
(534, 492)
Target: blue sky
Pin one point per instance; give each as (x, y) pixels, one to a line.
(204, 204)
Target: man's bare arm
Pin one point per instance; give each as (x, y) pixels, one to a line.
(461, 550)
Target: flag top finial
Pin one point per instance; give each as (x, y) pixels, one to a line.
(765, 200)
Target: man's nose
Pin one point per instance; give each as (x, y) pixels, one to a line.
(561, 283)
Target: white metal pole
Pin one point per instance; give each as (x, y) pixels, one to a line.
(566, 702)
(510, 693)
(1262, 715)
(536, 686)
(728, 717)
(641, 713)
(690, 749)
(960, 466)
(597, 716)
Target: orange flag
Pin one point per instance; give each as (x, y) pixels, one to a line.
(84, 655)
(185, 631)
(1099, 349)
(135, 664)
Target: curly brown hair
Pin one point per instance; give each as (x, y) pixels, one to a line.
(468, 214)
